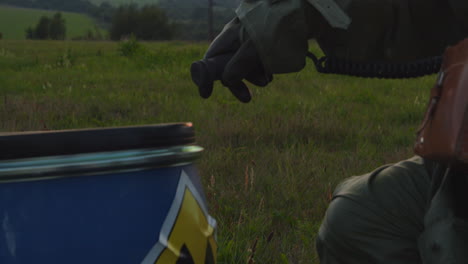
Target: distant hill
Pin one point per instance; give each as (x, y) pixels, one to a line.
(191, 16)
(14, 21)
(85, 6)
(81, 6)
(181, 3)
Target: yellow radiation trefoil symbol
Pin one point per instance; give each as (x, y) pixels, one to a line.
(187, 234)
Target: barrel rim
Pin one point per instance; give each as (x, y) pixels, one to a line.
(52, 167)
(31, 144)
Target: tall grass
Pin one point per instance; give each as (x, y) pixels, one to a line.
(269, 167)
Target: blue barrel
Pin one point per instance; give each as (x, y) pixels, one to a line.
(115, 195)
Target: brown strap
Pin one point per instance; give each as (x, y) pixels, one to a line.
(435, 96)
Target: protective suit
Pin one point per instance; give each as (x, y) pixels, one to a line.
(357, 30)
(368, 38)
(391, 216)
(401, 213)
(376, 218)
(414, 211)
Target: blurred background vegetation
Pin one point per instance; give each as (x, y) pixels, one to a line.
(116, 19)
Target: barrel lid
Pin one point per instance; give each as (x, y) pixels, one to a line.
(67, 142)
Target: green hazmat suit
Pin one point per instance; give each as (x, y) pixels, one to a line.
(409, 212)
(399, 213)
(376, 218)
(366, 38)
(357, 30)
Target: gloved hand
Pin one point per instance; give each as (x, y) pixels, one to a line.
(231, 58)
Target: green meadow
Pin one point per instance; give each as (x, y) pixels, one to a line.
(269, 166)
(14, 21)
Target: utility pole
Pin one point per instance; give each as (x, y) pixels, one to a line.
(210, 20)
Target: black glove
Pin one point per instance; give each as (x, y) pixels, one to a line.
(230, 60)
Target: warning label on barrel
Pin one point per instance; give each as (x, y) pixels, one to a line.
(187, 235)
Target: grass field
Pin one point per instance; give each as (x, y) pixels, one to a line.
(269, 166)
(14, 21)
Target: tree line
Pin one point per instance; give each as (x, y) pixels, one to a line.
(170, 19)
(48, 28)
(148, 23)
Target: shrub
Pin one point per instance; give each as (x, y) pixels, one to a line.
(130, 47)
